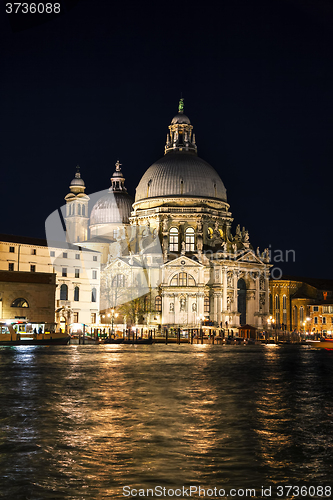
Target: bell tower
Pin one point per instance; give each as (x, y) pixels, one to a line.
(77, 210)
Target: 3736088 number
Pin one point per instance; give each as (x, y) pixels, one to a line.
(33, 8)
(303, 491)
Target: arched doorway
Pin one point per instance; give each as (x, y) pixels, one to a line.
(63, 324)
(241, 301)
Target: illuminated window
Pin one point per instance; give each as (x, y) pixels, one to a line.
(76, 317)
(93, 317)
(119, 281)
(189, 239)
(206, 305)
(174, 281)
(93, 295)
(301, 314)
(64, 271)
(182, 279)
(77, 273)
(158, 303)
(76, 294)
(12, 249)
(20, 303)
(173, 239)
(284, 302)
(191, 280)
(64, 292)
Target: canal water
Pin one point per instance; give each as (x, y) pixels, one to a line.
(95, 422)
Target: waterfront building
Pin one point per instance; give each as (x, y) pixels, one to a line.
(294, 303)
(321, 318)
(27, 295)
(173, 247)
(77, 275)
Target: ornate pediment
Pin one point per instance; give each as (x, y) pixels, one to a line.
(183, 262)
(248, 256)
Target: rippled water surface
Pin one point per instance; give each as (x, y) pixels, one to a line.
(81, 422)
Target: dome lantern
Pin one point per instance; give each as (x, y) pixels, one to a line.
(180, 137)
(117, 179)
(77, 185)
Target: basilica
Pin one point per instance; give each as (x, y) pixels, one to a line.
(170, 257)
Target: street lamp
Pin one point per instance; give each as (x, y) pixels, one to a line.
(113, 315)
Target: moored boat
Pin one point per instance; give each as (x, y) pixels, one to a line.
(321, 344)
(12, 334)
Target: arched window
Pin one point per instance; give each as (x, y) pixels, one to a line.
(20, 303)
(119, 281)
(64, 292)
(173, 239)
(76, 294)
(93, 295)
(79, 209)
(158, 303)
(301, 315)
(189, 239)
(206, 305)
(182, 279)
(295, 317)
(277, 309)
(83, 210)
(241, 300)
(284, 312)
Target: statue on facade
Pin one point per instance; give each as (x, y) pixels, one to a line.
(183, 248)
(199, 226)
(194, 307)
(165, 225)
(182, 302)
(172, 307)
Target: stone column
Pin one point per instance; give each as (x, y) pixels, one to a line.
(225, 289)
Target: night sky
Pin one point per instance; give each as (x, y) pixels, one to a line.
(102, 81)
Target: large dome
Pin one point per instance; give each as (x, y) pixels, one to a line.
(114, 207)
(181, 174)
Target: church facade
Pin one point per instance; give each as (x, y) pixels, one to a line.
(172, 248)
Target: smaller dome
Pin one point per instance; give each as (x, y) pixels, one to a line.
(180, 118)
(77, 181)
(114, 207)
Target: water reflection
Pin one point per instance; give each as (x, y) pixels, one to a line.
(85, 420)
